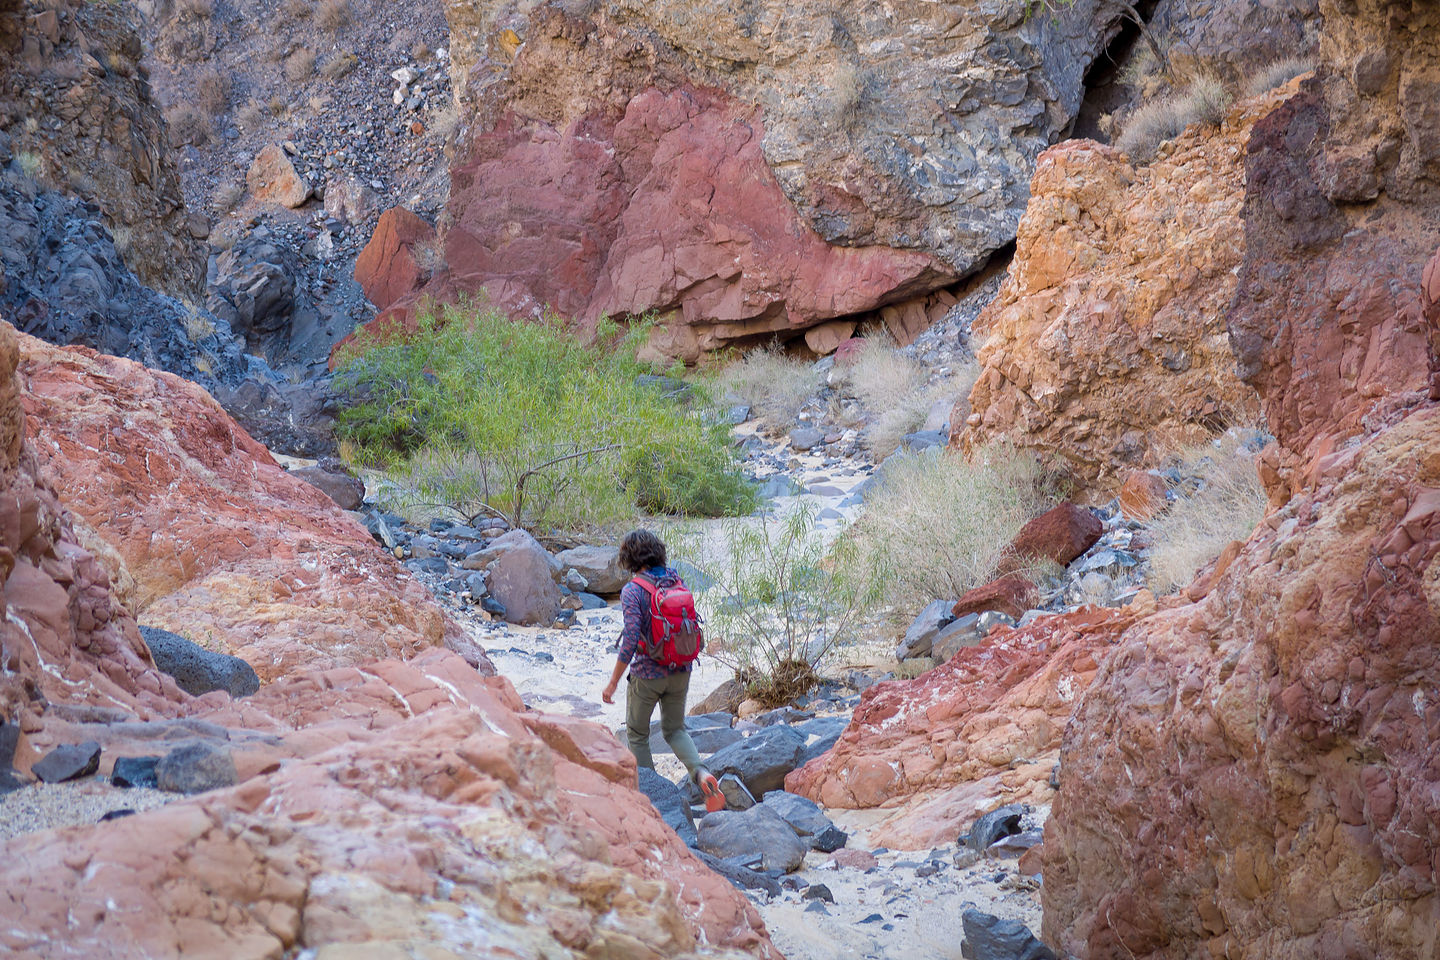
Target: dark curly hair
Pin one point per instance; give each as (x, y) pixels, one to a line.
(641, 550)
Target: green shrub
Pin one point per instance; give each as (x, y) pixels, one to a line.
(476, 414)
(772, 603)
(937, 525)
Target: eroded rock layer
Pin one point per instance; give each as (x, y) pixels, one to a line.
(223, 546)
(746, 170)
(1107, 347)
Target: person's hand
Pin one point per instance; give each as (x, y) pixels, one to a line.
(608, 694)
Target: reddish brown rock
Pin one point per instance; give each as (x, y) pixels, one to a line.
(825, 338)
(1106, 349)
(272, 179)
(1143, 496)
(222, 544)
(847, 352)
(1060, 534)
(951, 744)
(1255, 774)
(389, 269)
(1011, 596)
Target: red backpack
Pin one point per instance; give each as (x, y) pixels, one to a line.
(675, 637)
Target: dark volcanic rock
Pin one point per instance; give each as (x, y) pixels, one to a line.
(762, 759)
(668, 799)
(69, 762)
(742, 877)
(9, 738)
(197, 670)
(987, 937)
(195, 768)
(757, 831)
(998, 823)
(135, 772)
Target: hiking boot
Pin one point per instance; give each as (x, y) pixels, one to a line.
(710, 787)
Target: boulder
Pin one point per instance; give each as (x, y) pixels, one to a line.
(964, 632)
(1011, 595)
(195, 768)
(806, 438)
(742, 877)
(254, 291)
(670, 803)
(197, 670)
(272, 178)
(736, 796)
(520, 579)
(1142, 497)
(803, 815)
(987, 937)
(135, 772)
(70, 762)
(724, 698)
(390, 267)
(758, 831)
(337, 483)
(1060, 534)
(9, 739)
(221, 542)
(995, 825)
(826, 337)
(762, 759)
(349, 200)
(600, 566)
(924, 629)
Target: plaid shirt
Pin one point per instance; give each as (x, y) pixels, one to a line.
(635, 605)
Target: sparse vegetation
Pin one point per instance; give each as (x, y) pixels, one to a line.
(774, 385)
(1278, 74)
(477, 415)
(1226, 505)
(212, 90)
(300, 65)
(251, 116)
(194, 9)
(188, 124)
(896, 388)
(278, 106)
(339, 65)
(227, 197)
(938, 524)
(1204, 101)
(332, 14)
(773, 607)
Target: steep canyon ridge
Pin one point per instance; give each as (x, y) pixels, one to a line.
(356, 734)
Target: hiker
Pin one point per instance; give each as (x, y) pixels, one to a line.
(659, 643)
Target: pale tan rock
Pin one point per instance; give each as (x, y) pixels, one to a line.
(272, 178)
(824, 338)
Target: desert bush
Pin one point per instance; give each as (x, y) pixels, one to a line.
(195, 9)
(774, 384)
(1226, 505)
(1204, 101)
(896, 388)
(475, 415)
(1278, 74)
(339, 65)
(938, 524)
(251, 116)
(300, 65)
(212, 90)
(333, 14)
(188, 124)
(773, 606)
(295, 10)
(227, 197)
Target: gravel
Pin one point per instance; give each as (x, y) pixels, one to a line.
(47, 806)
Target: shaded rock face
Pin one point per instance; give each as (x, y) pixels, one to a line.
(1255, 774)
(1107, 347)
(1235, 38)
(224, 546)
(747, 170)
(957, 741)
(64, 637)
(79, 63)
(1342, 197)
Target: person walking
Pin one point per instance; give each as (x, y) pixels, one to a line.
(651, 681)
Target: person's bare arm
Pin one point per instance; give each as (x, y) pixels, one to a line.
(608, 694)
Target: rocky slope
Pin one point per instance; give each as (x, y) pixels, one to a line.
(746, 172)
(223, 547)
(1107, 348)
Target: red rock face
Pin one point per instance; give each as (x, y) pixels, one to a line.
(224, 547)
(387, 269)
(64, 638)
(980, 730)
(1255, 774)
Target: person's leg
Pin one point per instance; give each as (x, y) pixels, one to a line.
(640, 699)
(672, 721)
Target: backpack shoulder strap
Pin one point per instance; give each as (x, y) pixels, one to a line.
(645, 582)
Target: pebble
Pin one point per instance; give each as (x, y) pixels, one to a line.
(47, 806)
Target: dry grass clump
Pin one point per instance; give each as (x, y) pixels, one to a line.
(300, 65)
(295, 10)
(188, 124)
(1204, 101)
(251, 116)
(339, 65)
(195, 9)
(1227, 505)
(773, 384)
(332, 14)
(938, 525)
(1278, 74)
(227, 197)
(212, 90)
(896, 388)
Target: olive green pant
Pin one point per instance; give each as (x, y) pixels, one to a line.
(640, 699)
